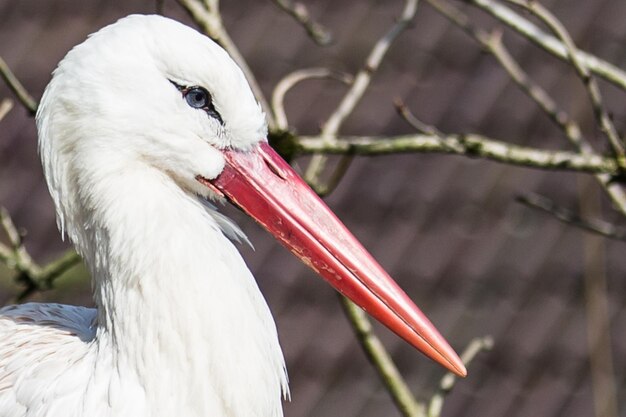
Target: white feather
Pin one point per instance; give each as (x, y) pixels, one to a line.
(180, 328)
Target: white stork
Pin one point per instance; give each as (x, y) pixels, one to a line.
(141, 124)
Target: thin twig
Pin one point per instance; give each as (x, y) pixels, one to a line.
(569, 217)
(44, 280)
(382, 361)
(364, 77)
(32, 276)
(58, 266)
(472, 145)
(300, 13)
(448, 381)
(338, 172)
(413, 121)
(207, 15)
(549, 43)
(19, 258)
(492, 43)
(590, 83)
(290, 80)
(604, 386)
(420, 126)
(355, 93)
(6, 105)
(18, 89)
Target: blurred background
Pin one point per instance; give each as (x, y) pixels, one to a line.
(448, 229)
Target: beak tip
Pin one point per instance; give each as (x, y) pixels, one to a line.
(456, 365)
(460, 370)
(452, 362)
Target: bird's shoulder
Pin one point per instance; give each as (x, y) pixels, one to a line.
(39, 345)
(51, 318)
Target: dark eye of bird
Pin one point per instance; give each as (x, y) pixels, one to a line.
(197, 97)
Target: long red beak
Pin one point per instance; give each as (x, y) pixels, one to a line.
(261, 183)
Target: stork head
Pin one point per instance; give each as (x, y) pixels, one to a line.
(148, 90)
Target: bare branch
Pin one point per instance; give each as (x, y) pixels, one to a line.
(447, 383)
(207, 15)
(18, 258)
(355, 93)
(381, 360)
(549, 43)
(338, 172)
(32, 276)
(389, 374)
(18, 89)
(9, 228)
(595, 263)
(569, 217)
(290, 80)
(6, 105)
(472, 145)
(300, 13)
(492, 43)
(364, 77)
(583, 72)
(44, 280)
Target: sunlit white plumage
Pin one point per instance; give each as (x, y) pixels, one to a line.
(121, 150)
(131, 146)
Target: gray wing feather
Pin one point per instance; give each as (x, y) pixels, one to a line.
(40, 345)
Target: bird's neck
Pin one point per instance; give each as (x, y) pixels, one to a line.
(178, 311)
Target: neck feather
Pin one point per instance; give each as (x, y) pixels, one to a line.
(178, 310)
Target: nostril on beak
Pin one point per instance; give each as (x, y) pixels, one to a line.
(275, 169)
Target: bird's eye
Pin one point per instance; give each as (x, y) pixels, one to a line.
(197, 97)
